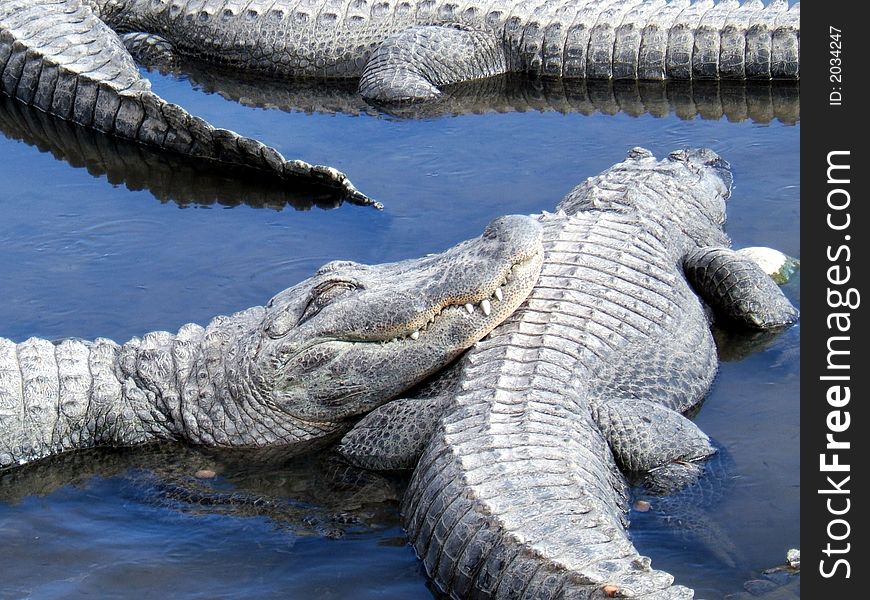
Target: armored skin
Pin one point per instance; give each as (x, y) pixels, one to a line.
(598, 341)
(407, 49)
(520, 491)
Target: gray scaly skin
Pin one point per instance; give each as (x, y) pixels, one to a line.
(331, 347)
(520, 492)
(407, 49)
(57, 56)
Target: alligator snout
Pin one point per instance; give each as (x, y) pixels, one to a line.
(704, 158)
(723, 170)
(516, 236)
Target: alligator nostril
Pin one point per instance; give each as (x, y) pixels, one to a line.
(494, 229)
(514, 228)
(727, 178)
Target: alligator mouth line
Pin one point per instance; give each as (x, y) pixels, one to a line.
(485, 304)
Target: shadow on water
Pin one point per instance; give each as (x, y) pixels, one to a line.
(757, 101)
(169, 177)
(307, 518)
(309, 491)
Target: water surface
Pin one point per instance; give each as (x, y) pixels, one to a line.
(93, 248)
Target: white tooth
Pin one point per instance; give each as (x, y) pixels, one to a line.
(469, 308)
(484, 304)
(498, 294)
(415, 335)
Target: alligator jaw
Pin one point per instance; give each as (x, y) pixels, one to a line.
(355, 336)
(481, 311)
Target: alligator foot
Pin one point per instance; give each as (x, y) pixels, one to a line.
(649, 438)
(412, 64)
(151, 50)
(394, 435)
(737, 289)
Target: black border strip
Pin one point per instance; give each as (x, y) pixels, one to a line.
(834, 222)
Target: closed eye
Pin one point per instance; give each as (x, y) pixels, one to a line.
(323, 294)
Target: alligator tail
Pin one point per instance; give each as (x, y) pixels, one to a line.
(62, 59)
(534, 511)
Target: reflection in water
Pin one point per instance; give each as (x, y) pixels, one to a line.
(309, 494)
(152, 522)
(169, 177)
(761, 102)
(684, 516)
(736, 344)
(177, 179)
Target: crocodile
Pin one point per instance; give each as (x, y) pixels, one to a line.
(288, 374)
(58, 57)
(522, 449)
(403, 50)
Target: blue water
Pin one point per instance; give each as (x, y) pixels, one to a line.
(85, 255)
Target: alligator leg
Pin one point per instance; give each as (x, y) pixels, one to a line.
(650, 439)
(412, 64)
(737, 289)
(150, 50)
(394, 435)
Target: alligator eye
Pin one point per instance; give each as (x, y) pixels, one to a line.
(322, 295)
(338, 264)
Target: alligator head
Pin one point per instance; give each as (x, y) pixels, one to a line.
(353, 336)
(334, 346)
(700, 213)
(692, 212)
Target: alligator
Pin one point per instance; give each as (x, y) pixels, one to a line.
(403, 50)
(532, 426)
(523, 447)
(288, 374)
(57, 56)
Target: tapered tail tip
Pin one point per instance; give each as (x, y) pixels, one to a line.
(354, 196)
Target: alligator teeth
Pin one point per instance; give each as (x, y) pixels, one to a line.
(498, 294)
(485, 305)
(469, 308)
(415, 335)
